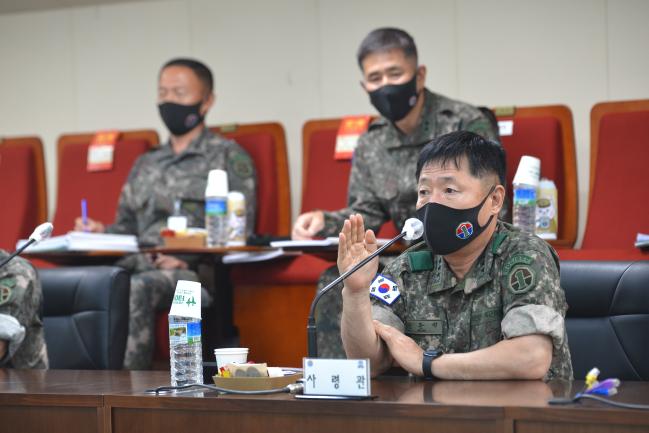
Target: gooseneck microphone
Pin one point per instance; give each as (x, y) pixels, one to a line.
(41, 232)
(412, 229)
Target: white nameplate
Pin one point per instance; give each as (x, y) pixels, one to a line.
(337, 376)
(505, 127)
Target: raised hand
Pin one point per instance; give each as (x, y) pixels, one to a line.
(355, 244)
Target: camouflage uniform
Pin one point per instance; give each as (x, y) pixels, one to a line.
(20, 322)
(511, 290)
(156, 181)
(383, 187)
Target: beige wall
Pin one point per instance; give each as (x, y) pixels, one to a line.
(85, 68)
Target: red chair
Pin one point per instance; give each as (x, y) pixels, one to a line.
(618, 205)
(546, 132)
(101, 189)
(318, 147)
(266, 144)
(25, 201)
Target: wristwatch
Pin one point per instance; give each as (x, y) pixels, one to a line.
(429, 356)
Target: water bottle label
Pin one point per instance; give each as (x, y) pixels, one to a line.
(525, 196)
(216, 206)
(184, 333)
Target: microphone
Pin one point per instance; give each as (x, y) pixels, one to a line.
(41, 232)
(412, 229)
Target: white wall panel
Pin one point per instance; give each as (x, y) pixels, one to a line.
(38, 85)
(264, 56)
(628, 41)
(536, 53)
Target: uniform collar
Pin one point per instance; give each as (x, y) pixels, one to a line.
(481, 273)
(423, 133)
(196, 146)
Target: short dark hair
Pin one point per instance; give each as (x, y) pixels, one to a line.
(200, 69)
(484, 156)
(386, 39)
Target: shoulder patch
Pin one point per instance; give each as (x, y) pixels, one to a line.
(420, 261)
(241, 166)
(6, 289)
(515, 260)
(521, 279)
(384, 289)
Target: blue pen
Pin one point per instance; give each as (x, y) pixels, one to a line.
(84, 214)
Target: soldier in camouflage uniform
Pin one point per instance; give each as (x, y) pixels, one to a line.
(382, 183)
(478, 290)
(22, 343)
(175, 172)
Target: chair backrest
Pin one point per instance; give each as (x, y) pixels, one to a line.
(266, 144)
(85, 316)
(547, 133)
(101, 189)
(325, 180)
(608, 317)
(618, 208)
(25, 201)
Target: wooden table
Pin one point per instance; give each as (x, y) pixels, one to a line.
(105, 401)
(76, 258)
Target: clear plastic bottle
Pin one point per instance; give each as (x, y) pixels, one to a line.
(547, 212)
(236, 219)
(525, 184)
(524, 207)
(216, 208)
(186, 350)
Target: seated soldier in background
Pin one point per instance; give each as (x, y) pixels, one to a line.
(22, 341)
(477, 299)
(382, 183)
(176, 171)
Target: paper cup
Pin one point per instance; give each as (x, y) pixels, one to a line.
(227, 355)
(529, 171)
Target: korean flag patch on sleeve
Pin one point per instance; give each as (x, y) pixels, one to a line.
(384, 289)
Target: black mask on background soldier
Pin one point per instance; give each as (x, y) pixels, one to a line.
(447, 229)
(394, 101)
(180, 119)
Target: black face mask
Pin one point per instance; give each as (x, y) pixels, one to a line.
(447, 230)
(180, 119)
(395, 101)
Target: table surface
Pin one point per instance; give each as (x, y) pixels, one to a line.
(388, 390)
(118, 402)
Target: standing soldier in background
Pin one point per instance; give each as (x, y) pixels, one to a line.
(382, 183)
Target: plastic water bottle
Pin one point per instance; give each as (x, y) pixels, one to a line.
(547, 212)
(216, 208)
(236, 219)
(525, 184)
(186, 350)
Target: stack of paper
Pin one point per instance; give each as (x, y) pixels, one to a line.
(328, 242)
(250, 257)
(81, 241)
(333, 241)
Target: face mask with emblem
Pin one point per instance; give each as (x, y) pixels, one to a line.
(394, 101)
(447, 230)
(179, 118)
